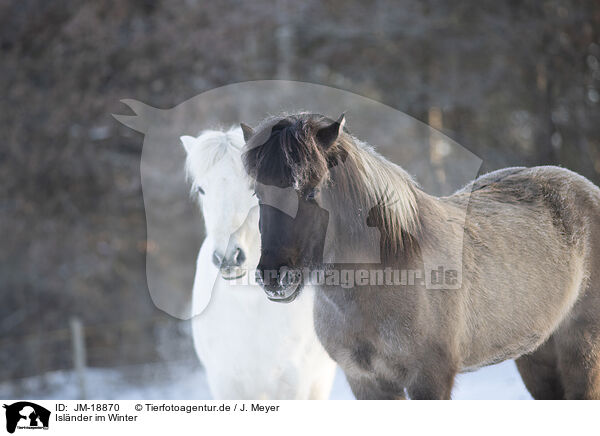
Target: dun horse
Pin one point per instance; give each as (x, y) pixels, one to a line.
(529, 248)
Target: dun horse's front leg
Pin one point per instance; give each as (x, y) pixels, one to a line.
(432, 384)
(364, 389)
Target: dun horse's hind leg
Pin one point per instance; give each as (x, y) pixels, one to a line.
(539, 371)
(578, 339)
(578, 346)
(579, 363)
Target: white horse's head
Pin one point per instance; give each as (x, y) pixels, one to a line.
(221, 187)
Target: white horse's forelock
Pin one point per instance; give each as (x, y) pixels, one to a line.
(206, 150)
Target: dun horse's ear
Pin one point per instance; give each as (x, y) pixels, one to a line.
(247, 131)
(327, 136)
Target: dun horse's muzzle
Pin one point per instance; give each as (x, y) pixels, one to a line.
(282, 284)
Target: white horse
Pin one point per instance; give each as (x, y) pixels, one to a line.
(234, 334)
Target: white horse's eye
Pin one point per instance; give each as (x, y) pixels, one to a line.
(199, 190)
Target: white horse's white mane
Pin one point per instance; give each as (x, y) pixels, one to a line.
(204, 151)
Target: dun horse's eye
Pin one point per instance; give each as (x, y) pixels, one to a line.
(311, 194)
(199, 190)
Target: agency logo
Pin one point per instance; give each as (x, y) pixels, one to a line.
(173, 236)
(26, 415)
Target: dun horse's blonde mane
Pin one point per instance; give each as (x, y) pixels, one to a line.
(381, 184)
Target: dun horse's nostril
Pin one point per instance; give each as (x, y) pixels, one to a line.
(267, 276)
(283, 276)
(258, 276)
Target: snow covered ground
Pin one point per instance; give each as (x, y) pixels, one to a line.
(187, 381)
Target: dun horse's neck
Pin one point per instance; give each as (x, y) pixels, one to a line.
(373, 193)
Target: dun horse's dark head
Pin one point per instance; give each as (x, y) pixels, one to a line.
(289, 160)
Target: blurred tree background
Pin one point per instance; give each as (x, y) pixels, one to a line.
(516, 82)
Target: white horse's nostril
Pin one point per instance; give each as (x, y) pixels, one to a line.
(217, 259)
(239, 257)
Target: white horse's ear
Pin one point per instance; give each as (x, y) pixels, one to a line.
(188, 143)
